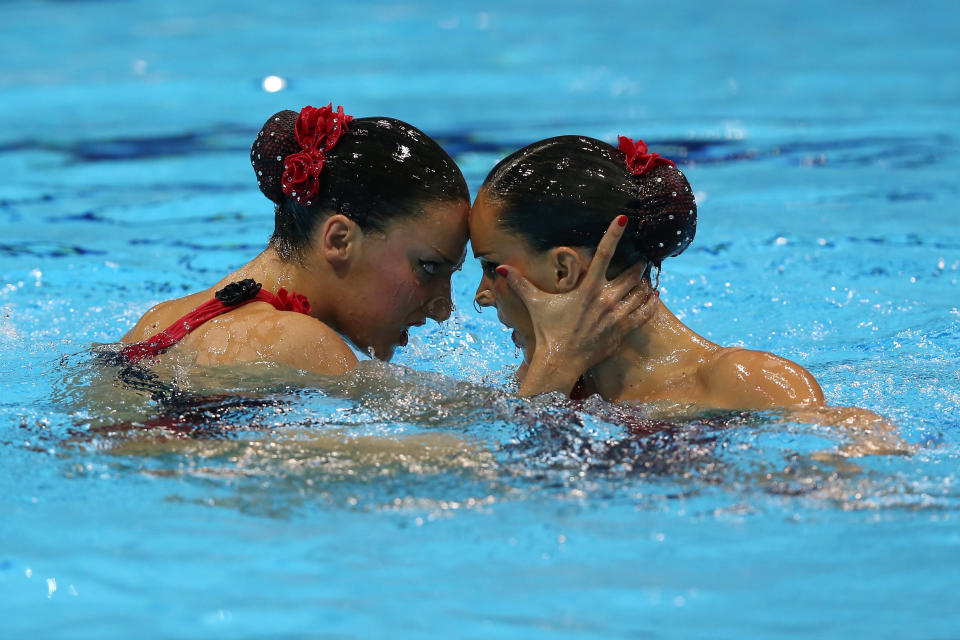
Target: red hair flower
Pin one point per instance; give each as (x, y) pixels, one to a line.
(638, 160)
(321, 128)
(317, 131)
(301, 174)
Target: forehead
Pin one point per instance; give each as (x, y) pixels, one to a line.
(486, 234)
(442, 227)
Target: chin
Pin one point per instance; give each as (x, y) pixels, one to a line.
(384, 352)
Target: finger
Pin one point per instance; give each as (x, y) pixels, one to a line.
(642, 314)
(605, 249)
(629, 280)
(633, 310)
(633, 299)
(517, 283)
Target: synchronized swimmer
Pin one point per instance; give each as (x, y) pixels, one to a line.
(372, 218)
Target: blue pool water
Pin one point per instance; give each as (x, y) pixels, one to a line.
(421, 499)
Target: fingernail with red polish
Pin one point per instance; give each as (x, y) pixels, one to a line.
(502, 271)
(656, 292)
(622, 221)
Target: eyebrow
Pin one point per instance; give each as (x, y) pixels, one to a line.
(453, 263)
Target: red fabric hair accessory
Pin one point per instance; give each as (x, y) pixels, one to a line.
(638, 160)
(317, 131)
(293, 301)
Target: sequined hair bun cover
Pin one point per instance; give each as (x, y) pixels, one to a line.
(275, 142)
(564, 191)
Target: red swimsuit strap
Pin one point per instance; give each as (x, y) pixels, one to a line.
(158, 343)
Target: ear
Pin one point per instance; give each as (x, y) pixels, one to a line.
(339, 240)
(568, 267)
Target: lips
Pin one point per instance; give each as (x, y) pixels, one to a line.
(405, 333)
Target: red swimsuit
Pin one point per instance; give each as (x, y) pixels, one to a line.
(232, 296)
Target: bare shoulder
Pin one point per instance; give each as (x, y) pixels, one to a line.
(308, 344)
(162, 315)
(745, 379)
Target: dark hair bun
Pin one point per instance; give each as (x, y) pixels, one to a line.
(564, 191)
(663, 215)
(380, 170)
(275, 142)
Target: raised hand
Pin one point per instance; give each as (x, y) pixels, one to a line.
(577, 329)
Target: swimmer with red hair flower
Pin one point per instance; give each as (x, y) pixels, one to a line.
(370, 225)
(538, 227)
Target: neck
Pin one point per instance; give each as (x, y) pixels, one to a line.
(305, 278)
(649, 359)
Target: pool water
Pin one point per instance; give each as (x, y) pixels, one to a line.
(421, 498)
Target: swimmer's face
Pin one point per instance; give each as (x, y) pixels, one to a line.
(401, 277)
(494, 246)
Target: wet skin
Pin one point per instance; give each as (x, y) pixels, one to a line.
(370, 287)
(402, 277)
(494, 246)
(662, 361)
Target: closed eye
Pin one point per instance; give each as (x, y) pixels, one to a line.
(489, 268)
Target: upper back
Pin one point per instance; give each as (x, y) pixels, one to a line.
(162, 315)
(254, 332)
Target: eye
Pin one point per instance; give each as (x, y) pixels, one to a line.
(489, 268)
(429, 267)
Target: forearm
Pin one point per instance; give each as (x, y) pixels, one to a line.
(867, 432)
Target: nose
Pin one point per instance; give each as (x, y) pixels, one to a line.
(484, 295)
(440, 307)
